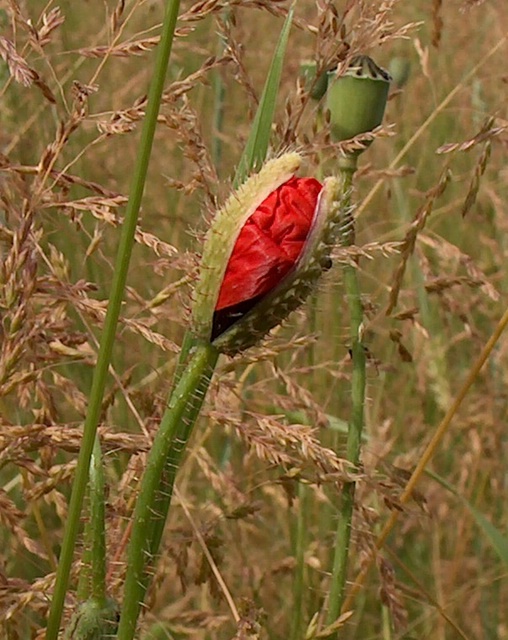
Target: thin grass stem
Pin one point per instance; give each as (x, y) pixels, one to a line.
(111, 321)
(297, 618)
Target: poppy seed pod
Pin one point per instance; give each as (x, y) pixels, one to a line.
(263, 254)
(357, 100)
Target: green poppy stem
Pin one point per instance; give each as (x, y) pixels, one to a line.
(255, 152)
(178, 444)
(158, 480)
(347, 167)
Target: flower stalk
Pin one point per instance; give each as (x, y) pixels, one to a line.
(160, 497)
(357, 103)
(158, 480)
(347, 167)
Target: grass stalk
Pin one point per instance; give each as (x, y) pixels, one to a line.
(158, 479)
(218, 101)
(299, 589)
(347, 167)
(111, 321)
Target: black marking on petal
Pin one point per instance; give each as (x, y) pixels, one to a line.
(227, 317)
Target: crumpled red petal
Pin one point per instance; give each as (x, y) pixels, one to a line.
(270, 242)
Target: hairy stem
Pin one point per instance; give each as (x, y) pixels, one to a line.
(158, 480)
(179, 442)
(347, 167)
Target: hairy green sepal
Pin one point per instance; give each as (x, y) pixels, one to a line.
(292, 290)
(224, 231)
(273, 308)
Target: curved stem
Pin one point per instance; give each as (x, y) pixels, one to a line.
(157, 483)
(343, 534)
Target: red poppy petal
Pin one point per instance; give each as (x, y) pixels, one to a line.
(270, 242)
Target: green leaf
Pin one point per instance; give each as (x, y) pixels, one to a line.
(494, 537)
(257, 145)
(497, 540)
(301, 417)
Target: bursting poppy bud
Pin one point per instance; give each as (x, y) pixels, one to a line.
(263, 254)
(357, 100)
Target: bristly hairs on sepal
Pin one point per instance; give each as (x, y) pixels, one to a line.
(223, 233)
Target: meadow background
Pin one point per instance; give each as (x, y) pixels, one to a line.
(259, 490)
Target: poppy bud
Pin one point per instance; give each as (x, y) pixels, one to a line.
(357, 100)
(263, 253)
(400, 70)
(316, 85)
(94, 619)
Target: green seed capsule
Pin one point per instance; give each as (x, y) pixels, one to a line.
(357, 100)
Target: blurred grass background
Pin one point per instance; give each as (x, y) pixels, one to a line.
(439, 576)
